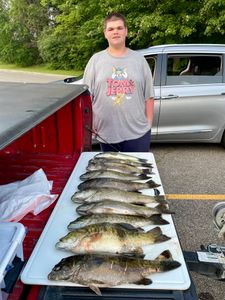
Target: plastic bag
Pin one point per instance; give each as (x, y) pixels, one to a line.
(29, 195)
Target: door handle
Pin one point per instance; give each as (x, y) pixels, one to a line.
(170, 97)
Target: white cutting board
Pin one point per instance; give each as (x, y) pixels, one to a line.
(44, 256)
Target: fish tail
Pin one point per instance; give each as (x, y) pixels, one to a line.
(169, 265)
(146, 171)
(147, 165)
(151, 184)
(143, 177)
(157, 235)
(162, 238)
(161, 199)
(158, 220)
(164, 209)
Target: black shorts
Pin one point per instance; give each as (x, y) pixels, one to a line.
(141, 144)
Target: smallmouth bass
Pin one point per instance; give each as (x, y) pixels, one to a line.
(110, 238)
(96, 271)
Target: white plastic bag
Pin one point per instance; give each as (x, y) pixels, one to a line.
(29, 195)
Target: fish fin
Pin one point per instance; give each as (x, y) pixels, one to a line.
(138, 252)
(155, 231)
(131, 254)
(130, 227)
(165, 255)
(147, 165)
(143, 281)
(138, 203)
(156, 192)
(95, 289)
(158, 220)
(143, 160)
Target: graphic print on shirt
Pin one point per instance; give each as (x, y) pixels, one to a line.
(119, 87)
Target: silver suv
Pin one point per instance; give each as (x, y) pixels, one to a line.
(189, 85)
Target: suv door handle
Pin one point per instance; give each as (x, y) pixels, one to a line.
(170, 97)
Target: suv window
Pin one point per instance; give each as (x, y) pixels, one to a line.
(151, 60)
(194, 69)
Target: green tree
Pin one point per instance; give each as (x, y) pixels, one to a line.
(150, 22)
(22, 23)
(76, 32)
(212, 13)
(65, 33)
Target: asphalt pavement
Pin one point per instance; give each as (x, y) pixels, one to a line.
(194, 169)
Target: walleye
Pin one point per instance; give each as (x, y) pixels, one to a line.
(136, 221)
(125, 185)
(112, 174)
(119, 155)
(110, 238)
(120, 208)
(96, 195)
(122, 161)
(96, 271)
(100, 164)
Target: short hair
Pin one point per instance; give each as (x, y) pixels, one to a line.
(114, 17)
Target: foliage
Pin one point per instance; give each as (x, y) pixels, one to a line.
(25, 21)
(65, 33)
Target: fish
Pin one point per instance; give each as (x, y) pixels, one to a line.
(136, 221)
(125, 185)
(121, 208)
(97, 270)
(106, 165)
(112, 174)
(143, 165)
(96, 195)
(119, 155)
(110, 238)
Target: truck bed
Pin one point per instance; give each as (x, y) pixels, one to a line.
(58, 169)
(51, 137)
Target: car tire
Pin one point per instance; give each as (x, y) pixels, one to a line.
(223, 140)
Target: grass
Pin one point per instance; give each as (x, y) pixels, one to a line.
(40, 69)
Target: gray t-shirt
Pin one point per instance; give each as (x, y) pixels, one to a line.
(119, 87)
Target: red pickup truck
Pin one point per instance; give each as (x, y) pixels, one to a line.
(41, 126)
(48, 126)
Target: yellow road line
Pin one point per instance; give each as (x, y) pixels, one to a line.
(217, 197)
